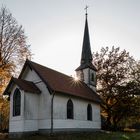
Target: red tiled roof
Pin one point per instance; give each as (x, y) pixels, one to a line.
(62, 83)
(24, 85)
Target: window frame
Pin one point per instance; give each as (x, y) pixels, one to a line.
(89, 112)
(92, 77)
(17, 103)
(70, 109)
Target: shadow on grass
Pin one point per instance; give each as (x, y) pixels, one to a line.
(85, 136)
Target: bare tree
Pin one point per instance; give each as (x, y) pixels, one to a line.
(13, 47)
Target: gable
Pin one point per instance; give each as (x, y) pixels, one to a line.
(29, 74)
(23, 85)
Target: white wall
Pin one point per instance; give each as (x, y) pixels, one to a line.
(31, 111)
(80, 113)
(43, 101)
(16, 123)
(31, 105)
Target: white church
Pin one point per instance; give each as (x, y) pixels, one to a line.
(45, 100)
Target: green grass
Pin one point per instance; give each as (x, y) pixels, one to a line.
(86, 136)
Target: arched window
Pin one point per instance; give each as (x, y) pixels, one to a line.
(69, 109)
(89, 112)
(16, 102)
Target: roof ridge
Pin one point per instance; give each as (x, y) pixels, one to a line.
(50, 68)
(22, 80)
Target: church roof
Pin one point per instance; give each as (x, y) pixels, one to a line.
(61, 83)
(86, 56)
(24, 85)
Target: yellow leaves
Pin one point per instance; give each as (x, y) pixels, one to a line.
(4, 79)
(4, 113)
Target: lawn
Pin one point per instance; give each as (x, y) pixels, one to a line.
(86, 136)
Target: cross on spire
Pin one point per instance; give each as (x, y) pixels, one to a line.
(86, 8)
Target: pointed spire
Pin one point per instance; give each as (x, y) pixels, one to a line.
(86, 56)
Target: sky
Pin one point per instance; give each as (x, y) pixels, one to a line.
(55, 28)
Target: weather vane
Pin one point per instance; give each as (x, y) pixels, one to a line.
(86, 8)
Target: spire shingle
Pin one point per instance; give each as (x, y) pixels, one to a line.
(86, 56)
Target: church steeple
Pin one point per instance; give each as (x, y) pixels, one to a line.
(86, 72)
(86, 56)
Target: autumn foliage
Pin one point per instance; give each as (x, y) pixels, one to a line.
(116, 86)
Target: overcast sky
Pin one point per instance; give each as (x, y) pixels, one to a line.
(55, 28)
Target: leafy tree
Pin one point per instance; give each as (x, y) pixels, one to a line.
(115, 85)
(128, 105)
(135, 85)
(13, 52)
